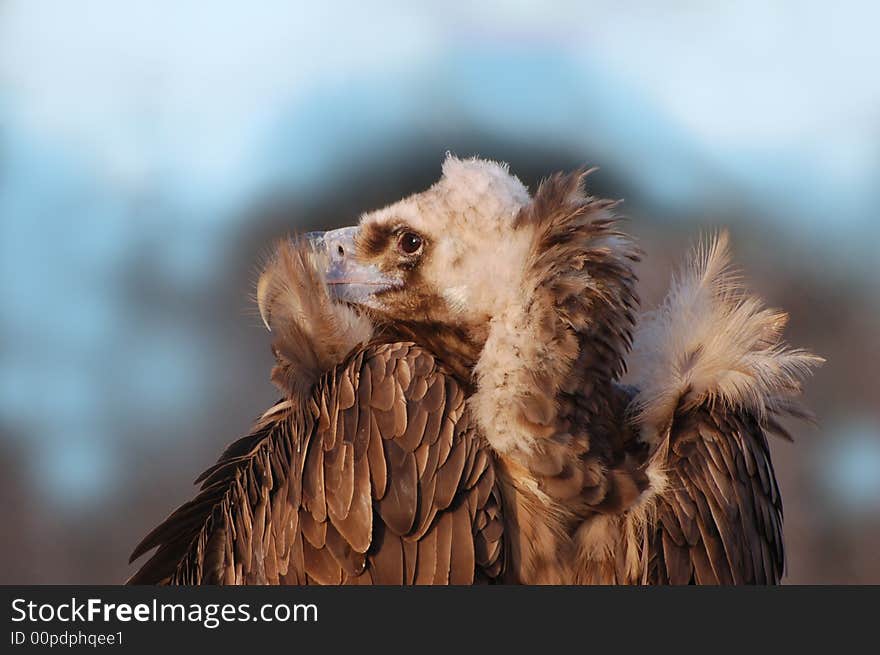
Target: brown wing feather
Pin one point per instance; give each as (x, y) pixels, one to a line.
(378, 478)
(720, 519)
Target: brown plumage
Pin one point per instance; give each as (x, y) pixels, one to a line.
(453, 408)
(374, 479)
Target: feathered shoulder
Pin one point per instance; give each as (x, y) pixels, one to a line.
(712, 343)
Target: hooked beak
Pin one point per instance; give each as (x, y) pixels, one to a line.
(347, 279)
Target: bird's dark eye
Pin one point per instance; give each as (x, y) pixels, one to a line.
(409, 243)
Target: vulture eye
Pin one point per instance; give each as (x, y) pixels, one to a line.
(409, 243)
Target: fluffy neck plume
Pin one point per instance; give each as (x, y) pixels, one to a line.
(710, 342)
(312, 333)
(567, 332)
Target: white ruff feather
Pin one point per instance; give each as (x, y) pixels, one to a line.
(710, 342)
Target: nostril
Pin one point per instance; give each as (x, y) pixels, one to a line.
(340, 250)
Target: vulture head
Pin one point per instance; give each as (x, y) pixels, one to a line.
(447, 257)
(521, 297)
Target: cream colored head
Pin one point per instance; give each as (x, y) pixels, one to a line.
(450, 254)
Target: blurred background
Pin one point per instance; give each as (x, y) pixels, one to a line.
(150, 152)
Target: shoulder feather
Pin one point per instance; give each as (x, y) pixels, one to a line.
(710, 342)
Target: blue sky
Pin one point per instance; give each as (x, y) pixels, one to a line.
(190, 90)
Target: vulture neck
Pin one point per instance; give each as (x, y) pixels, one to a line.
(461, 348)
(536, 379)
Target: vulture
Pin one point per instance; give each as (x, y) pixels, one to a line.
(470, 394)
